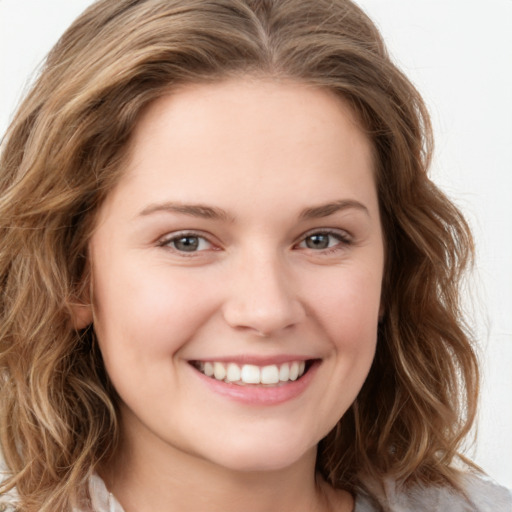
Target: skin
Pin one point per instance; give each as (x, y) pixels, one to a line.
(270, 155)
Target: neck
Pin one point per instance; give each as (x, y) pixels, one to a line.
(147, 477)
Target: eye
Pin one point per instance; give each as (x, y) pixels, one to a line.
(324, 240)
(186, 242)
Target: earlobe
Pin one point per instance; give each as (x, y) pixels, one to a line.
(80, 307)
(81, 316)
(381, 312)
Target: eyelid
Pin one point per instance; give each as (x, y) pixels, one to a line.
(342, 235)
(166, 240)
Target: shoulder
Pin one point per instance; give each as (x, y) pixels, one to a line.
(481, 494)
(101, 499)
(8, 500)
(487, 495)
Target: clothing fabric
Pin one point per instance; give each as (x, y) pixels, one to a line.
(482, 495)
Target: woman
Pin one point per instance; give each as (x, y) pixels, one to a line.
(227, 279)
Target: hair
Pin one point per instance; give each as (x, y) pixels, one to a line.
(63, 153)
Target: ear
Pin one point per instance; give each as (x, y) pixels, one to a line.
(80, 308)
(81, 315)
(381, 312)
(80, 302)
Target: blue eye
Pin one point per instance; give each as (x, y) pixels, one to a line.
(187, 242)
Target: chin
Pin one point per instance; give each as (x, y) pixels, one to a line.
(263, 456)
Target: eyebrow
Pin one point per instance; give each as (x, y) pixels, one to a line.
(214, 213)
(195, 210)
(324, 210)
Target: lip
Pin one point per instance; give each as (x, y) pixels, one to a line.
(260, 395)
(257, 360)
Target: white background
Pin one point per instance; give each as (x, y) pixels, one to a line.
(459, 54)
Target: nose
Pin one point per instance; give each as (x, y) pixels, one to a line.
(262, 298)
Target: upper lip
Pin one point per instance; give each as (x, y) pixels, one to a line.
(256, 360)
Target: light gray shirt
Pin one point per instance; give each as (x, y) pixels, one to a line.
(483, 495)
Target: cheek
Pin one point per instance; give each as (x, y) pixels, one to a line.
(348, 307)
(347, 313)
(147, 312)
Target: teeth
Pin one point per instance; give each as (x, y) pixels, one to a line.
(284, 372)
(208, 369)
(233, 372)
(219, 371)
(252, 374)
(294, 371)
(269, 374)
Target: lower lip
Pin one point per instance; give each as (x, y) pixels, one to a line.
(261, 395)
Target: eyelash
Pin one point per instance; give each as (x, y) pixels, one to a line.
(342, 237)
(169, 240)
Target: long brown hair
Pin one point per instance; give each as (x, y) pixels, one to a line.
(62, 155)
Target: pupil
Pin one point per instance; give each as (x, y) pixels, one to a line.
(187, 243)
(317, 242)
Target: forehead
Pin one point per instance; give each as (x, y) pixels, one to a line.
(257, 113)
(236, 138)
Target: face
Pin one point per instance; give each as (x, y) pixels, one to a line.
(237, 272)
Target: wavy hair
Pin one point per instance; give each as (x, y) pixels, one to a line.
(63, 153)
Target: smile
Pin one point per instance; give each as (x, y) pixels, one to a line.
(250, 374)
